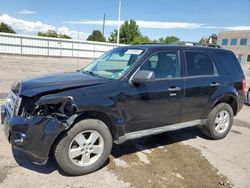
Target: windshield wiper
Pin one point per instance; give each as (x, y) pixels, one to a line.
(92, 73)
(89, 72)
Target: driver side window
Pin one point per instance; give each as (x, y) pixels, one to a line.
(164, 64)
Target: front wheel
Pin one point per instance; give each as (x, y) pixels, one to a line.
(219, 121)
(84, 148)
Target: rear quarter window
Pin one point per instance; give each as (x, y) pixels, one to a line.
(227, 62)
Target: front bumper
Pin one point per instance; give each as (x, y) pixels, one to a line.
(34, 135)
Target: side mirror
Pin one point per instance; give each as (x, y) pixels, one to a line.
(143, 76)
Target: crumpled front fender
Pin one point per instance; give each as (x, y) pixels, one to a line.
(34, 135)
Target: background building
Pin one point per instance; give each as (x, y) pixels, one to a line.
(239, 43)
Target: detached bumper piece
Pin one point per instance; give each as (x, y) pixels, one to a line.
(34, 135)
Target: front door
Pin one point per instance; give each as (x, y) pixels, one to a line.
(158, 103)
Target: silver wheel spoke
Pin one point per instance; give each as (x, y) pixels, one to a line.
(217, 128)
(75, 152)
(222, 114)
(80, 140)
(92, 138)
(96, 149)
(226, 117)
(222, 121)
(85, 158)
(223, 126)
(217, 120)
(81, 155)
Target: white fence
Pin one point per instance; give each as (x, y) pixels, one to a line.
(51, 47)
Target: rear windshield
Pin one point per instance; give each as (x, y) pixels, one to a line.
(228, 62)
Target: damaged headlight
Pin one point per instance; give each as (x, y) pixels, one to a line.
(52, 105)
(16, 86)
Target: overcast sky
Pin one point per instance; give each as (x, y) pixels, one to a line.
(187, 19)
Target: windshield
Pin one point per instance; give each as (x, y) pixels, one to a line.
(115, 63)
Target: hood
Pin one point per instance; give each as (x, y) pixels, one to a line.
(57, 82)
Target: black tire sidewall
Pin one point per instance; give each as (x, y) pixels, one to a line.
(61, 152)
(211, 120)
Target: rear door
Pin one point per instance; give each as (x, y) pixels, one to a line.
(201, 82)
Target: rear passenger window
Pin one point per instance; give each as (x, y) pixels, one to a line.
(198, 64)
(229, 63)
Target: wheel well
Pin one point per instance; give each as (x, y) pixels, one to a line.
(97, 115)
(86, 115)
(229, 100)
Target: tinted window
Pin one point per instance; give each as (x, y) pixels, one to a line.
(233, 41)
(224, 42)
(229, 64)
(198, 64)
(243, 41)
(248, 58)
(163, 64)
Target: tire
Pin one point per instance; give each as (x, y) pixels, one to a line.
(77, 140)
(212, 128)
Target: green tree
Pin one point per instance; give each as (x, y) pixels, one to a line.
(49, 33)
(129, 30)
(64, 36)
(155, 41)
(212, 38)
(53, 34)
(167, 40)
(161, 40)
(170, 40)
(96, 36)
(6, 28)
(141, 40)
(204, 40)
(41, 34)
(113, 36)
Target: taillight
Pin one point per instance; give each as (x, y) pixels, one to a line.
(244, 86)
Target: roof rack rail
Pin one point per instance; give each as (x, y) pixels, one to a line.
(186, 43)
(212, 45)
(156, 43)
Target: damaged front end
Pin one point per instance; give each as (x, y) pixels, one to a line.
(37, 124)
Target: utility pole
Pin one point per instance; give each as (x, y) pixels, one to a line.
(78, 41)
(103, 25)
(119, 20)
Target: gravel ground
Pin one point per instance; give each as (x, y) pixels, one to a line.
(177, 159)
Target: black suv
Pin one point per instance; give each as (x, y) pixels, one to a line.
(127, 93)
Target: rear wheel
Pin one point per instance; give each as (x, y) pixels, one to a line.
(219, 121)
(84, 148)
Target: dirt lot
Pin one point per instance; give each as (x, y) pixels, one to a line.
(178, 159)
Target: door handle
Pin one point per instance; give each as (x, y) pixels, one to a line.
(174, 89)
(215, 84)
